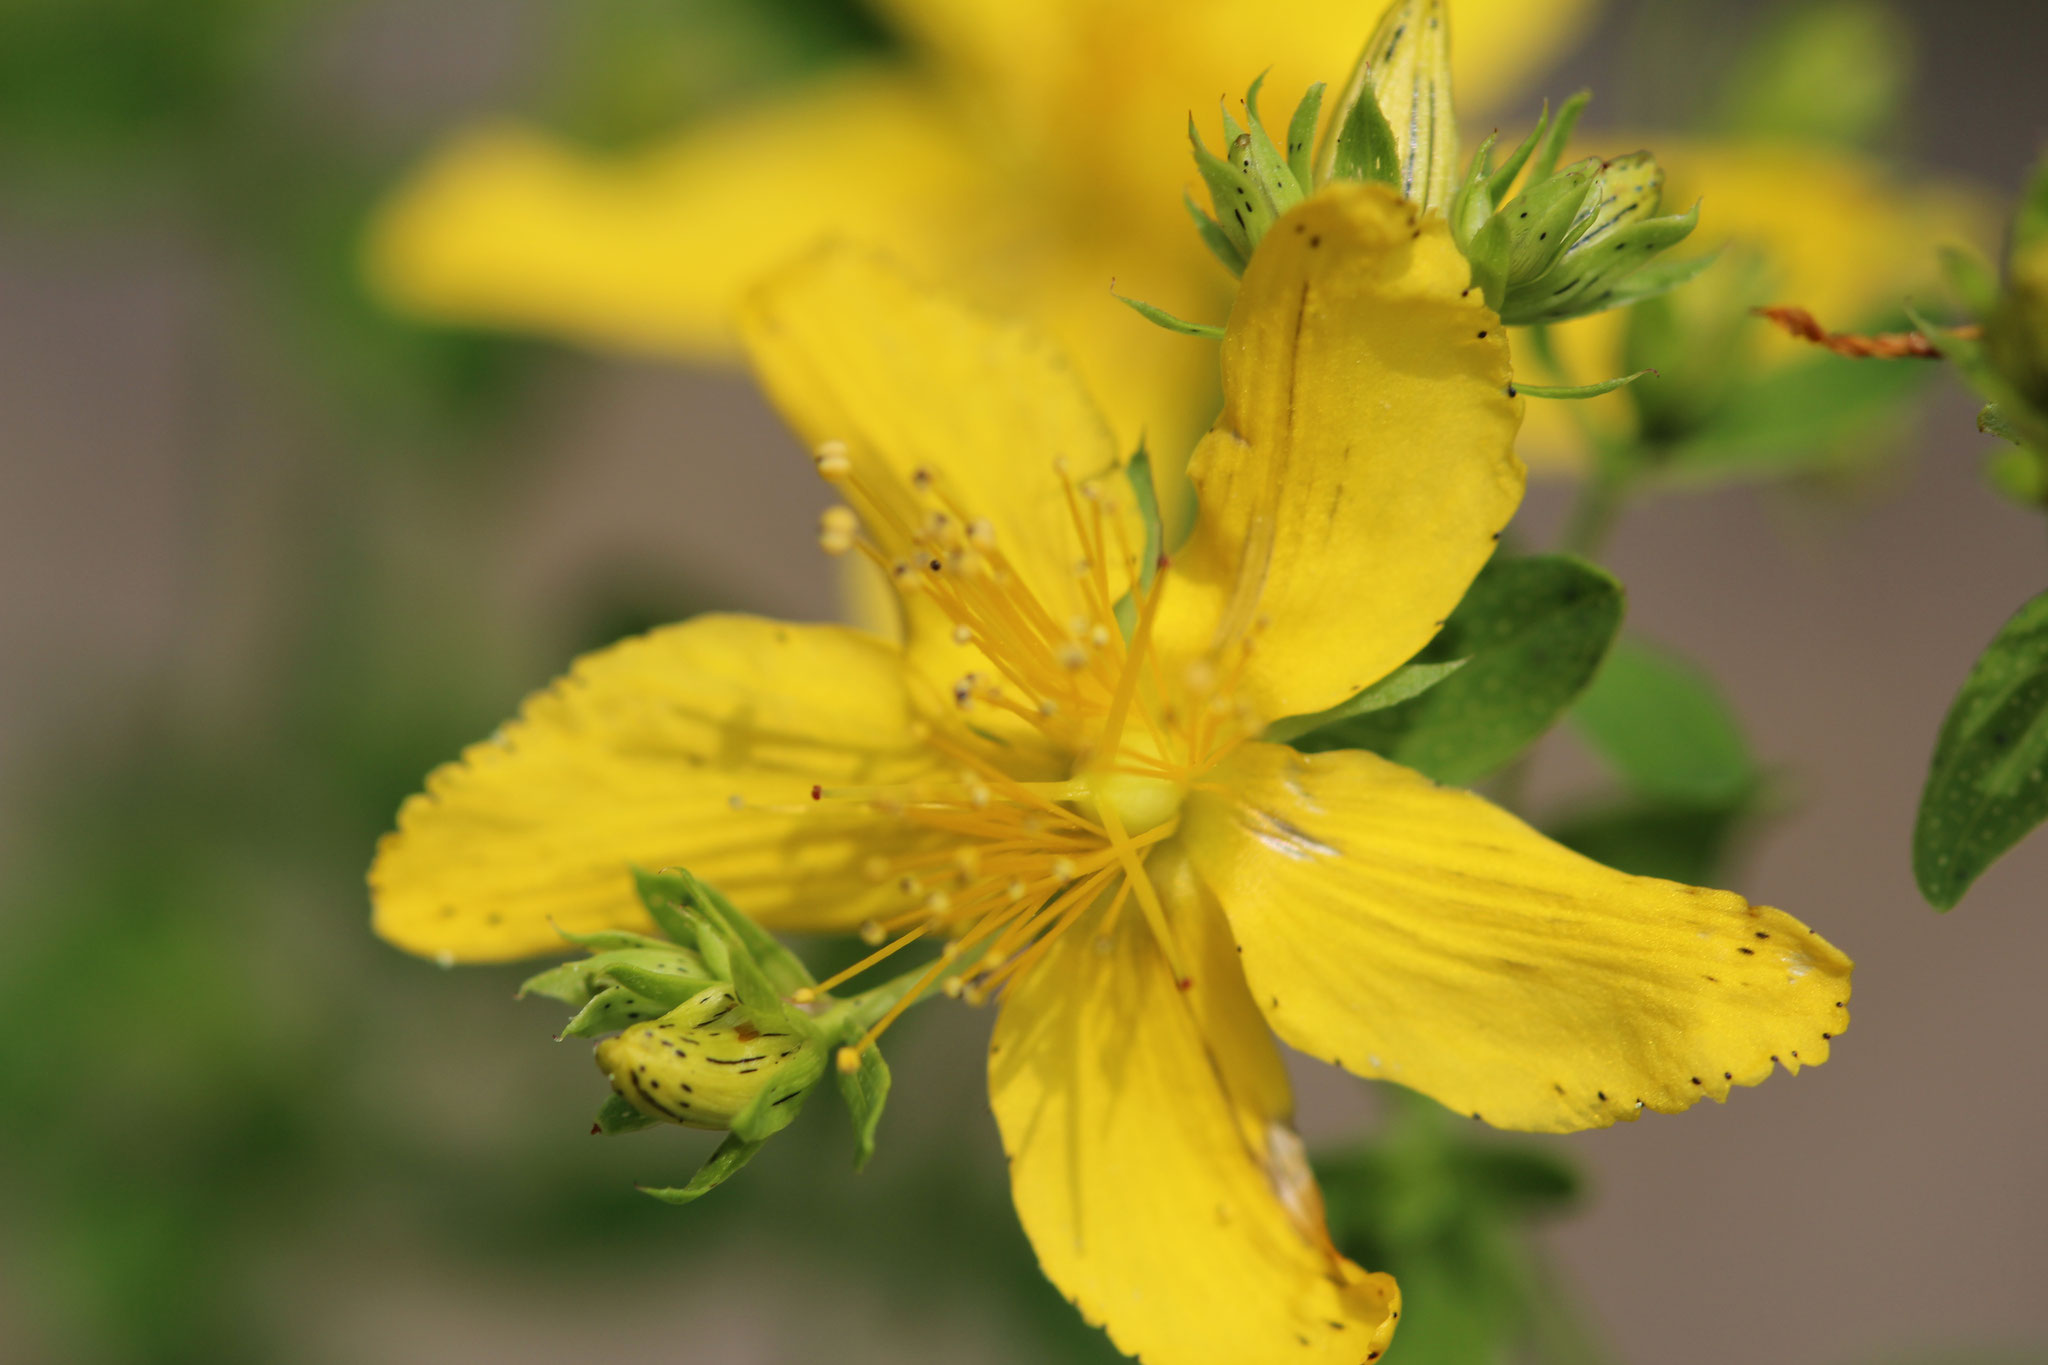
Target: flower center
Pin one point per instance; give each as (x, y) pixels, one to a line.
(1009, 856)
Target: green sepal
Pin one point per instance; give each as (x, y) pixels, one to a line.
(1215, 238)
(1545, 219)
(1579, 390)
(784, 970)
(608, 940)
(617, 1116)
(1658, 277)
(1533, 632)
(1488, 256)
(1498, 180)
(721, 1166)
(1301, 136)
(610, 1010)
(1145, 493)
(1159, 317)
(1404, 683)
(1543, 164)
(1366, 149)
(1664, 727)
(865, 1089)
(1988, 784)
(663, 988)
(776, 1107)
(1230, 193)
(1266, 164)
(574, 983)
(663, 895)
(1596, 280)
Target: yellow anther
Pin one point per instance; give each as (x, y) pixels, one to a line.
(974, 995)
(1048, 708)
(909, 885)
(978, 795)
(872, 933)
(981, 533)
(968, 859)
(1063, 870)
(921, 478)
(875, 867)
(963, 635)
(1016, 891)
(836, 530)
(833, 463)
(1071, 656)
(736, 801)
(849, 1060)
(803, 995)
(1098, 635)
(951, 986)
(938, 902)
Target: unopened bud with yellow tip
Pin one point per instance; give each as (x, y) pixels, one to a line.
(713, 1063)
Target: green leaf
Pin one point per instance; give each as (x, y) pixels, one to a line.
(1366, 149)
(619, 1116)
(1409, 680)
(1840, 72)
(1532, 632)
(722, 1166)
(1663, 726)
(1301, 135)
(865, 1089)
(1650, 838)
(1159, 317)
(1988, 785)
(1580, 390)
(1971, 278)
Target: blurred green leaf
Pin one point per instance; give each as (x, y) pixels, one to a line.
(1651, 838)
(1988, 785)
(617, 1115)
(1664, 727)
(1532, 632)
(1447, 1215)
(1838, 71)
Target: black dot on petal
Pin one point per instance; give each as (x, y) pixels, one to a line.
(1482, 336)
(1695, 1080)
(1727, 1075)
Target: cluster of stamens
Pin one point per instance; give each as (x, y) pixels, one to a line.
(1012, 862)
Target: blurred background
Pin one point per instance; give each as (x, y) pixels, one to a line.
(271, 551)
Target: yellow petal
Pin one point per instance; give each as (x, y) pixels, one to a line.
(509, 226)
(909, 379)
(1364, 463)
(1150, 1158)
(634, 758)
(1418, 934)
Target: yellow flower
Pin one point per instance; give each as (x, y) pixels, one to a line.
(1798, 223)
(1091, 818)
(1033, 149)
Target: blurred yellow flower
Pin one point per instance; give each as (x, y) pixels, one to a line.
(1797, 223)
(1085, 804)
(1030, 150)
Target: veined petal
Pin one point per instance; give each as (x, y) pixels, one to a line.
(909, 379)
(636, 757)
(1150, 1158)
(1364, 463)
(1419, 934)
(509, 226)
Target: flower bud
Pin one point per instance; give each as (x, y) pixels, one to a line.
(1394, 120)
(713, 1063)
